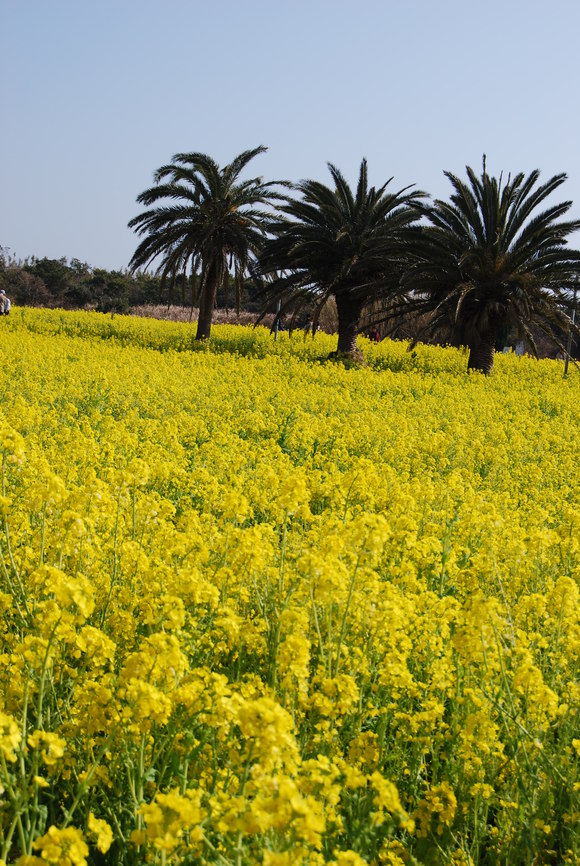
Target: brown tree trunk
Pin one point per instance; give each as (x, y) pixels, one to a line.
(349, 312)
(481, 354)
(206, 305)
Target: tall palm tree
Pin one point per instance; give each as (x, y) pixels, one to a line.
(332, 242)
(490, 261)
(203, 218)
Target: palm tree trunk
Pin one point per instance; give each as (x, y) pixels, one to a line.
(481, 354)
(207, 304)
(349, 312)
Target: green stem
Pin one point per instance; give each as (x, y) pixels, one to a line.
(283, 552)
(115, 560)
(42, 534)
(83, 787)
(345, 615)
(316, 622)
(17, 820)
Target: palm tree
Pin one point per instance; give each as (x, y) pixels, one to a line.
(202, 218)
(333, 243)
(490, 262)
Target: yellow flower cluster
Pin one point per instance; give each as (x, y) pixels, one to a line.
(259, 609)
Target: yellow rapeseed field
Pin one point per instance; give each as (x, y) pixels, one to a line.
(259, 608)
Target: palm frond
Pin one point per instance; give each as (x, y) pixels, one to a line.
(199, 216)
(490, 259)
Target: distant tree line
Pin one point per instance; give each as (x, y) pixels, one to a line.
(74, 284)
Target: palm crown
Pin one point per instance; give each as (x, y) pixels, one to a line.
(333, 242)
(488, 261)
(203, 218)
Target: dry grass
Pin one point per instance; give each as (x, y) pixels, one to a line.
(174, 313)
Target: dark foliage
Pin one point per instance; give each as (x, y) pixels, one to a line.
(332, 242)
(56, 283)
(202, 221)
(490, 265)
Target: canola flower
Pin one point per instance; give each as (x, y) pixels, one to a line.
(259, 609)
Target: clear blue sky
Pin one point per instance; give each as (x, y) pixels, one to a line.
(96, 94)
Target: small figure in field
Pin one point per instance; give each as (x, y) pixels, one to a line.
(375, 336)
(4, 303)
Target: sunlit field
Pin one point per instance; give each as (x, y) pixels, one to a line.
(260, 608)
